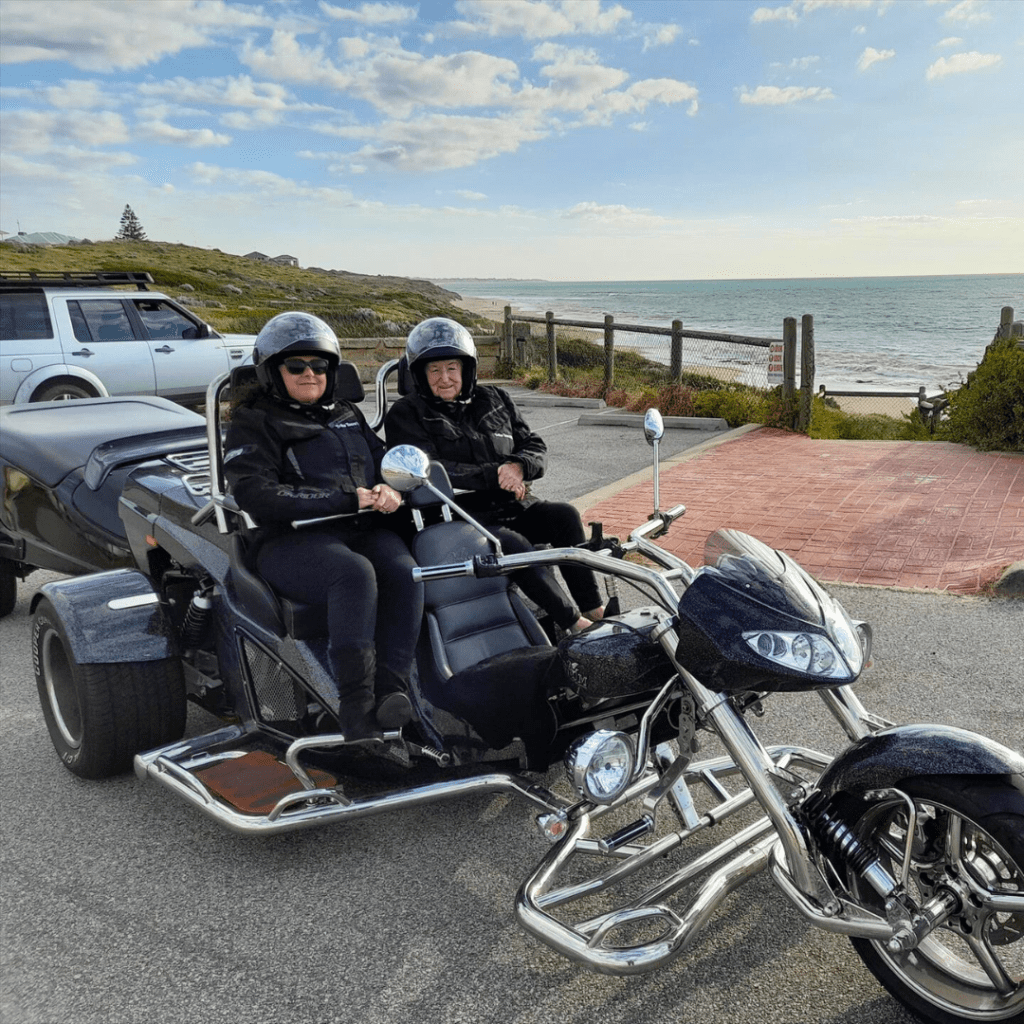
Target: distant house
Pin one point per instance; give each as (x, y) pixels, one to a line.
(259, 256)
(285, 261)
(44, 238)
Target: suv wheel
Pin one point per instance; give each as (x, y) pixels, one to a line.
(62, 391)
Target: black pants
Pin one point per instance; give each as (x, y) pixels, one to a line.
(365, 577)
(556, 523)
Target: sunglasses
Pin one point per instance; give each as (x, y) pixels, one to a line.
(297, 367)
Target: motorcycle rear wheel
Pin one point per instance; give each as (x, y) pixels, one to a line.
(970, 836)
(100, 716)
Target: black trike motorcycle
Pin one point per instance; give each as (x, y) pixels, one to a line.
(910, 840)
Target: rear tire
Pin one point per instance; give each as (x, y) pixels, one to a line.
(8, 587)
(970, 839)
(64, 390)
(100, 716)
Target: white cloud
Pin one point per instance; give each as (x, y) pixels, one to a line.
(962, 63)
(774, 96)
(260, 103)
(265, 183)
(370, 14)
(286, 59)
(613, 215)
(872, 56)
(539, 19)
(950, 41)
(98, 35)
(967, 12)
(38, 131)
(763, 14)
(77, 95)
(794, 10)
(660, 35)
(193, 138)
(436, 142)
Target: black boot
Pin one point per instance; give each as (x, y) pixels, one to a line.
(394, 709)
(353, 669)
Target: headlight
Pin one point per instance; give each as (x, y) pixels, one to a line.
(811, 653)
(600, 765)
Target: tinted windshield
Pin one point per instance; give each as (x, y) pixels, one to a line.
(761, 573)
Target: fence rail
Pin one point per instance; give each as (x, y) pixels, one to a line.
(930, 409)
(513, 350)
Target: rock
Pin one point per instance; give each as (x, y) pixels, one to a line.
(1011, 583)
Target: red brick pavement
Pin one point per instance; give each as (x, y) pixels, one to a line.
(935, 516)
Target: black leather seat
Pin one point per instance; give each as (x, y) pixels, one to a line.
(467, 620)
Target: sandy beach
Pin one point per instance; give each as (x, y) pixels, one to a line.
(494, 309)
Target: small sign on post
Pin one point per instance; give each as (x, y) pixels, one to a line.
(776, 374)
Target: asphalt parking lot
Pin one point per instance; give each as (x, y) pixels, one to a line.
(121, 905)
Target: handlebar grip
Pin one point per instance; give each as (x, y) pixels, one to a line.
(423, 574)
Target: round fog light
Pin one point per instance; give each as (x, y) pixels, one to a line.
(600, 765)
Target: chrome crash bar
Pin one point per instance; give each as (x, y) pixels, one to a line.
(309, 806)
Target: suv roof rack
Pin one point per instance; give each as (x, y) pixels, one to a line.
(18, 280)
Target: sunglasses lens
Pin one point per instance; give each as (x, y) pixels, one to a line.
(297, 367)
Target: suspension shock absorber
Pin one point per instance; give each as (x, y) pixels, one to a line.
(197, 618)
(842, 847)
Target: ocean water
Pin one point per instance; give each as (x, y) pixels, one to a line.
(870, 333)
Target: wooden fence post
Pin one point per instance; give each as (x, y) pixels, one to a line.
(552, 350)
(806, 370)
(609, 351)
(506, 338)
(675, 359)
(789, 360)
(1005, 322)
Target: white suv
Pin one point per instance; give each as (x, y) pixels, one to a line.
(72, 336)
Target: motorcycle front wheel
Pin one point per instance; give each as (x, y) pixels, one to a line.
(969, 838)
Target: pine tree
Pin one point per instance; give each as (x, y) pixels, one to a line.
(131, 229)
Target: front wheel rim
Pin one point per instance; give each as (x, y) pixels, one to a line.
(974, 966)
(61, 691)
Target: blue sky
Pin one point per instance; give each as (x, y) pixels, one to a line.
(562, 139)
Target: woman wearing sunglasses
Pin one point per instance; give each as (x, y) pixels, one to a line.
(295, 452)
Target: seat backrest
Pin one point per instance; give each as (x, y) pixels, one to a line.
(406, 385)
(467, 619)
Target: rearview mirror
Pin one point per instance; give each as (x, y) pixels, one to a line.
(654, 426)
(405, 467)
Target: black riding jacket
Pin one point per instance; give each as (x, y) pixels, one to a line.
(471, 440)
(287, 461)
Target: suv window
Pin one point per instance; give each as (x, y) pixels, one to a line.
(105, 319)
(162, 320)
(24, 316)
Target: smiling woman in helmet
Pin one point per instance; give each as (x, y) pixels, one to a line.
(295, 452)
(476, 432)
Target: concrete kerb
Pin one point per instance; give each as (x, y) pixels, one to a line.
(614, 418)
(586, 501)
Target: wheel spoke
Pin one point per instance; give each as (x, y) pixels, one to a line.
(991, 965)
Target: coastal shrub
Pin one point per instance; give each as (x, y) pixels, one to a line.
(829, 422)
(987, 410)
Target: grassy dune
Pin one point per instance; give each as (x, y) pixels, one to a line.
(238, 295)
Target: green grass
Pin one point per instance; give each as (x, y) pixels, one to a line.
(355, 305)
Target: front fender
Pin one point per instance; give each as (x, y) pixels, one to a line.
(888, 758)
(110, 617)
(49, 372)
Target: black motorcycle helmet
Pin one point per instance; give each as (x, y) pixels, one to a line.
(440, 338)
(292, 334)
